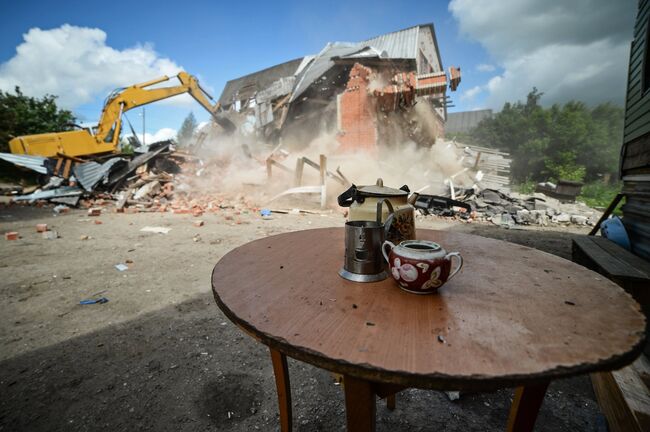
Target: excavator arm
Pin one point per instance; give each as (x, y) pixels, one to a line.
(83, 143)
(139, 95)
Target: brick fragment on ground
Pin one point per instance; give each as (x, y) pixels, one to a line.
(11, 235)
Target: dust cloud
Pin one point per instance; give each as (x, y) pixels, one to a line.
(236, 164)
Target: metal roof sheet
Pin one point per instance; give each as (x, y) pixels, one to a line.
(321, 64)
(90, 173)
(402, 44)
(246, 86)
(34, 163)
(52, 193)
(466, 120)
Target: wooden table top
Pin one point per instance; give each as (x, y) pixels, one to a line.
(513, 315)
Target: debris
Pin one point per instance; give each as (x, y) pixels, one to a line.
(11, 235)
(156, 230)
(94, 211)
(196, 238)
(453, 395)
(97, 222)
(60, 209)
(441, 339)
(63, 191)
(198, 223)
(149, 189)
(121, 267)
(84, 237)
(100, 300)
(35, 163)
(265, 212)
(50, 235)
(41, 227)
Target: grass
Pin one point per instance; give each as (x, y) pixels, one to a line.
(599, 194)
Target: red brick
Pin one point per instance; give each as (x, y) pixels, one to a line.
(12, 235)
(41, 227)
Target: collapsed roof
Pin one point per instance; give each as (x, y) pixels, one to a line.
(416, 45)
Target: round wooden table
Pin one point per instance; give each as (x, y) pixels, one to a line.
(513, 317)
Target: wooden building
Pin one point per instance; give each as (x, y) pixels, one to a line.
(635, 153)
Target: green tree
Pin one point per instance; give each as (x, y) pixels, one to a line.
(570, 141)
(24, 115)
(186, 132)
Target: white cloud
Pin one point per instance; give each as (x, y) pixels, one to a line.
(77, 65)
(567, 49)
(160, 135)
(484, 67)
(471, 93)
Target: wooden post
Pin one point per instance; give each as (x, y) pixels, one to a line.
(283, 387)
(300, 164)
(525, 407)
(269, 168)
(323, 181)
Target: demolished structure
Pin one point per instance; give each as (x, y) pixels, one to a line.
(366, 92)
(349, 114)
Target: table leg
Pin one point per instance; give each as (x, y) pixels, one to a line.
(525, 407)
(359, 404)
(283, 387)
(390, 402)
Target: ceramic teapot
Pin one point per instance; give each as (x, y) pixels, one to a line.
(420, 266)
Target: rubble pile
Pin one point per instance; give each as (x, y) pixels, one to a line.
(161, 179)
(508, 210)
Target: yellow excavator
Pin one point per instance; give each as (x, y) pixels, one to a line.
(105, 137)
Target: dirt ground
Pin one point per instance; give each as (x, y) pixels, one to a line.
(161, 356)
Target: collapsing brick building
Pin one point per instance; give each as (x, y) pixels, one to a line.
(373, 93)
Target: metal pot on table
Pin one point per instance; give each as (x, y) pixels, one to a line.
(398, 212)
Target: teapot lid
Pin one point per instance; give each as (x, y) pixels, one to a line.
(379, 190)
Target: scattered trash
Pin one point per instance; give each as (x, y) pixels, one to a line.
(41, 227)
(60, 209)
(85, 237)
(11, 235)
(94, 211)
(441, 339)
(50, 235)
(196, 238)
(198, 223)
(265, 212)
(121, 267)
(97, 222)
(156, 230)
(100, 300)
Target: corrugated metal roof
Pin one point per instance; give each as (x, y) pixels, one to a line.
(465, 121)
(402, 44)
(34, 163)
(52, 193)
(90, 173)
(246, 86)
(321, 64)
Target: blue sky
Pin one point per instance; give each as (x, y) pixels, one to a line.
(218, 41)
